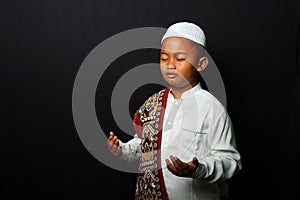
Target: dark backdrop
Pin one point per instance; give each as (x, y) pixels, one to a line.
(255, 45)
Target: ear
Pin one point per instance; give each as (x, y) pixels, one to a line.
(202, 64)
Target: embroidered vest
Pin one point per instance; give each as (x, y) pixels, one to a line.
(148, 122)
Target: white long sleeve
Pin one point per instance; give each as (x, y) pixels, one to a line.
(223, 161)
(132, 149)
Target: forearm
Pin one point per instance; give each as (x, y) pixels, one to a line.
(218, 166)
(131, 149)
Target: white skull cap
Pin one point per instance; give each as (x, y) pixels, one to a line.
(186, 30)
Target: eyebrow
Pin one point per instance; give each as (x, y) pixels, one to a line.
(179, 52)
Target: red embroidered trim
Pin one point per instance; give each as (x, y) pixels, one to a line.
(160, 174)
(138, 121)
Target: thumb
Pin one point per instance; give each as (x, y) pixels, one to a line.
(195, 161)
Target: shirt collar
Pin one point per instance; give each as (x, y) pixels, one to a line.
(188, 93)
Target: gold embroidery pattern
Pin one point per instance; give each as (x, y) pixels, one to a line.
(148, 183)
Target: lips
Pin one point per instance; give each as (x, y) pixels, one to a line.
(171, 75)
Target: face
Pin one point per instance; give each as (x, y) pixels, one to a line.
(178, 59)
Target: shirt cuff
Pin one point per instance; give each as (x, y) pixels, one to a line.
(200, 171)
(129, 152)
(124, 151)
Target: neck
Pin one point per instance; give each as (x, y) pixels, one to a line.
(178, 91)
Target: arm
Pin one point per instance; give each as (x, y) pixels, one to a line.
(224, 159)
(131, 149)
(127, 151)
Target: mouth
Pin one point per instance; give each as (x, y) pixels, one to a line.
(171, 75)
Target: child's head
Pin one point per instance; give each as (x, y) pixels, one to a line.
(182, 54)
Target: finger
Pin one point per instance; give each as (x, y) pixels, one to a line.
(111, 138)
(111, 146)
(115, 140)
(168, 162)
(171, 167)
(179, 162)
(175, 162)
(172, 158)
(111, 143)
(111, 134)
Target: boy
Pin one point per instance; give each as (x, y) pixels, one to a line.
(184, 137)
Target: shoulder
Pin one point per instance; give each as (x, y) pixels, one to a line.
(153, 99)
(212, 108)
(205, 97)
(155, 96)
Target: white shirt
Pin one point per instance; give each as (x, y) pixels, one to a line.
(195, 125)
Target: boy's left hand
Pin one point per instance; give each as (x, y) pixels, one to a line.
(179, 168)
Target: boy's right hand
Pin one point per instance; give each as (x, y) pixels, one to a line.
(114, 144)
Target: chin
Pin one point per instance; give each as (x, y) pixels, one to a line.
(172, 83)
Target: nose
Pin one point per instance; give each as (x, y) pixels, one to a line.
(171, 64)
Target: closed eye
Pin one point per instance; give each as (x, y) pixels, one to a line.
(163, 57)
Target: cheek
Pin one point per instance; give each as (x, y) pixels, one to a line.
(162, 69)
(188, 72)
(185, 68)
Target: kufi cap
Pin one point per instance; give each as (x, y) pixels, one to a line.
(186, 30)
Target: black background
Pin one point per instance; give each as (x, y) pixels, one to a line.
(255, 45)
